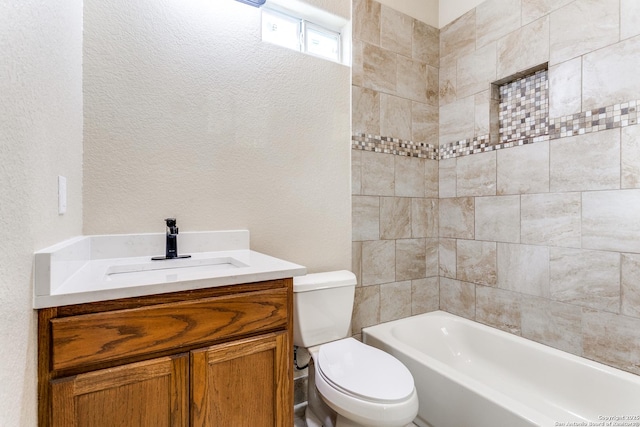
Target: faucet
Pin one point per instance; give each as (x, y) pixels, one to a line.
(172, 242)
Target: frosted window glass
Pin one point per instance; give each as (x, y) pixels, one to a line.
(322, 43)
(281, 29)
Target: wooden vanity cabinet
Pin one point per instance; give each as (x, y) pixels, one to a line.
(210, 357)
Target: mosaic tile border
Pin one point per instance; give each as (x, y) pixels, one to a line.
(595, 120)
(389, 145)
(599, 119)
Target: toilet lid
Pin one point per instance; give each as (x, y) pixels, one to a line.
(364, 371)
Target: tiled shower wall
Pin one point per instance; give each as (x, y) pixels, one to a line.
(542, 239)
(395, 168)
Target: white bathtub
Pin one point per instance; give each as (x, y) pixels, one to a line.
(471, 375)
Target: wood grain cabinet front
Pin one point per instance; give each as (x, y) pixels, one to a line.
(218, 357)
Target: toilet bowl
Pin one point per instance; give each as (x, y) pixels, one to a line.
(350, 383)
(363, 385)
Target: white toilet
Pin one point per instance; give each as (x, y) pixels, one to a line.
(350, 383)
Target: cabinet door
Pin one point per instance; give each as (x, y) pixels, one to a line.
(152, 393)
(245, 383)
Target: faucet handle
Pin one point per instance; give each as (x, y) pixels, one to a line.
(171, 222)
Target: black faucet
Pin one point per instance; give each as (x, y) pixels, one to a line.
(172, 242)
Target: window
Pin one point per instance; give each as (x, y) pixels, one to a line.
(298, 34)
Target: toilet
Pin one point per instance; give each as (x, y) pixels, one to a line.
(350, 384)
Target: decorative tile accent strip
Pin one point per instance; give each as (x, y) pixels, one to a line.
(613, 116)
(610, 117)
(524, 108)
(389, 145)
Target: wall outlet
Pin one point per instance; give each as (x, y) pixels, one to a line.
(62, 195)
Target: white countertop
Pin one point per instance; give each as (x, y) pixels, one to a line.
(87, 268)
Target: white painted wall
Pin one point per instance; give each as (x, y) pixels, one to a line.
(449, 10)
(189, 114)
(40, 138)
(423, 10)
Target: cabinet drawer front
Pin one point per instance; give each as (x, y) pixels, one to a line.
(101, 337)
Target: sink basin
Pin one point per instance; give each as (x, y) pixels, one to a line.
(170, 270)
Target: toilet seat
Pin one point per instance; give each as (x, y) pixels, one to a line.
(364, 372)
(365, 384)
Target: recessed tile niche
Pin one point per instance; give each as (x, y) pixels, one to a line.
(523, 109)
(520, 108)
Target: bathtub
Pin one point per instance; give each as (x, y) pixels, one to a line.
(471, 375)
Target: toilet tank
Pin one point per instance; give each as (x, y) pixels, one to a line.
(322, 306)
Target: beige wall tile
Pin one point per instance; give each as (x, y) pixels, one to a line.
(610, 220)
(458, 297)
(523, 49)
(447, 79)
(426, 43)
(456, 216)
(586, 278)
(396, 31)
(457, 120)
(365, 218)
(612, 340)
(535, 9)
(599, 27)
(629, 18)
(482, 118)
(447, 177)
(424, 217)
(524, 169)
(357, 59)
(552, 323)
(365, 110)
(412, 77)
(409, 176)
(431, 178)
(356, 261)
(565, 88)
(395, 117)
(459, 37)
(447, 258)
(476, 175)
(551, 219)
(433, 88)
(424, 123)
(630, 156)
(410, 259)
(378, 174)
(395, 301)
(524, 269)
(366, 308)
(498, 308)
(378, 68)
(630, 277)
(356, 172)
(476, 71)
(366, 21)
(498, 218)
(476, 262)
(431, 249)
(610, 74)
(395, 217)
(586, 162)
(425, 295)
(378, 262)
(496, 18)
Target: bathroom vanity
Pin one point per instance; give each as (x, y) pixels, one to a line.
(211, 351)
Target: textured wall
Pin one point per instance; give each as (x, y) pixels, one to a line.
(189, 114)
(542, 239)
(40, 138)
